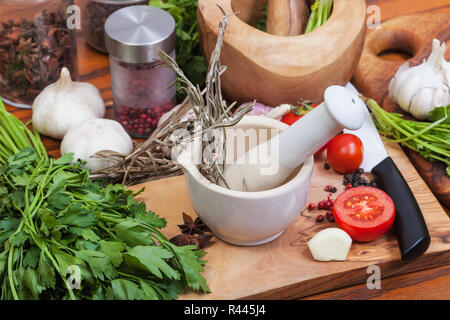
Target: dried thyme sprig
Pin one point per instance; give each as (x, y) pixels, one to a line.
(151, 160)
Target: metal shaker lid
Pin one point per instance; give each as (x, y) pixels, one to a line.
(134, 34)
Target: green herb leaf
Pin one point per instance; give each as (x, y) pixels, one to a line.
(99, 263)
(126, 290)
(65, 260)
(46, 272)
(47, 218)
(76, 215)
(153, 259)
(439, 113)
(148, 291)
(59, 200)
(132, 233)
(31, 258)
(9, 224)
(148, 217)
(31, 280)
(20, 238)
(113, 249)
(188, 51)
(189, 258)
(64, 159)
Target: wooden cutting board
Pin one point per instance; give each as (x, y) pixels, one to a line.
(284, 268)
(412, 36)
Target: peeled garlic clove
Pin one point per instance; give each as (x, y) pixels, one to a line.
(93, 136)
(330, 244)
(64, 104)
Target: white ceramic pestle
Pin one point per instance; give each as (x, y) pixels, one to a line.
(270, 164)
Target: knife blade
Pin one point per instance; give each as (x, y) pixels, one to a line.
(409, 225)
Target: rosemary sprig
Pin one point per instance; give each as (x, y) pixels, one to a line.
(151, 160)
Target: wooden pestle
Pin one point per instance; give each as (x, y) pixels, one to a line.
(287, 17)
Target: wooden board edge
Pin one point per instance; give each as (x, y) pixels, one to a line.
(358, 276)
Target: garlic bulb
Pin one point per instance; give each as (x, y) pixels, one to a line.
(64, 104)
(420, 89)
(93, 136)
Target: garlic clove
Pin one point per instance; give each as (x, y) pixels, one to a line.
(421, 103)
(330, 244)
(406, 89)
(398, 78)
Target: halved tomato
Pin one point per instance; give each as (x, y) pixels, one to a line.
(365, 213)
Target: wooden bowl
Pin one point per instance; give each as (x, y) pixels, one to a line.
(283, 69)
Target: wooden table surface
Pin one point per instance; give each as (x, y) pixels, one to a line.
(427, 284)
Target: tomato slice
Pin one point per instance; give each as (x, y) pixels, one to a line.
(365, 213)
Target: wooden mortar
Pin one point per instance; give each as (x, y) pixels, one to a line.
(287, 17)
(283, 69)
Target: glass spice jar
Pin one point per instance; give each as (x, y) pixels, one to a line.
(35, 44)
(95, 14)
(142, 86)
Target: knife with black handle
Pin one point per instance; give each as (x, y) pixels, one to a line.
(409, 225)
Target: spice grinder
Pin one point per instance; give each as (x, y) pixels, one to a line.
(142, 86)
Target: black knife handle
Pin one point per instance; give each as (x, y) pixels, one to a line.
(410, 227)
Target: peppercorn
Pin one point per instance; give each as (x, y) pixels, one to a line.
(355, 179)
(141, 121)
(330, 216)
(374, 183)
(321, 205)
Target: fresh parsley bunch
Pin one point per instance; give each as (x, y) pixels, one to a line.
(430, 139)
(63, 236)
(189, 53)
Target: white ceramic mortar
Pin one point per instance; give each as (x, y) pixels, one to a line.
(249, 218)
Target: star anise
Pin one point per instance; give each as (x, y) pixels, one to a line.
(201, 240)
(192, 227)
(201, 225)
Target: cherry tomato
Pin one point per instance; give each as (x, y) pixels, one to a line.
(345, 153)
(365, 213)
(297, 112)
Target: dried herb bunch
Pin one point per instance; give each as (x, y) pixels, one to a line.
(151, 160)
(32, 54)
